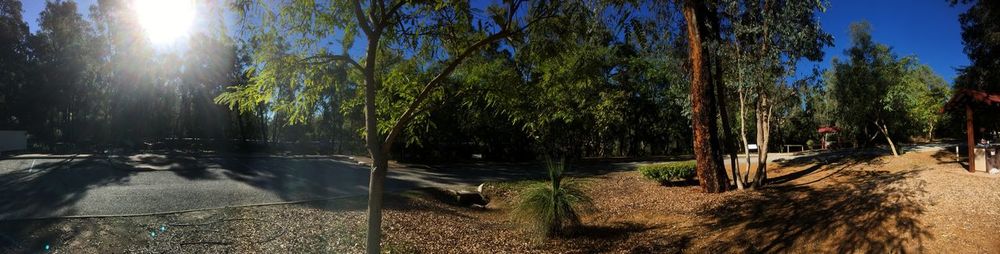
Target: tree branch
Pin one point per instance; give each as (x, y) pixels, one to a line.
(331, 58)
(363, 20)
(391, 14)
(417, 103)
(424, 92)
(395, 7)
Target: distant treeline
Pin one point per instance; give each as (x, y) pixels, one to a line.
(95, 83)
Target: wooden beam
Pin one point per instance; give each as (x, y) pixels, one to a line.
(971, 138)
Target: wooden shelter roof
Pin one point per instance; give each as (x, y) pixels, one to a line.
(828, 129)
(964, 97)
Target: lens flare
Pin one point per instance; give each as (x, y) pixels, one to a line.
(165, 21)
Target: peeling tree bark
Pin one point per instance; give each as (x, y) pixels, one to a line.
(712, 178)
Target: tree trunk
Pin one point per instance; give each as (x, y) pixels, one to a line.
(711, 176)
(727, 130)
(885, 132)
(374, 143)
(930, 133)
(727, 137)
(763, 134)
(743, 136)
(376, 184)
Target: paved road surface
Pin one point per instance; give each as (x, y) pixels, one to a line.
(48, 186)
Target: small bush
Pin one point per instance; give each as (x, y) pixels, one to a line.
(669, 171)
(547, 208)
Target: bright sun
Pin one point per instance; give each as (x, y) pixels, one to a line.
(165, 21)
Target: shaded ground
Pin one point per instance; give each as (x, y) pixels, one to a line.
(46, 186)
(833, 203)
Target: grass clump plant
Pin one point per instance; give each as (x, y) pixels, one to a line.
(548, 208)
(669, 171)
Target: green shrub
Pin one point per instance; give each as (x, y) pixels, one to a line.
(547, 208)
(669, 171)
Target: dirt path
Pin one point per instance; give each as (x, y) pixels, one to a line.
(855, 202)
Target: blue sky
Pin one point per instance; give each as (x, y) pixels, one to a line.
(927, 29)
(33, 7)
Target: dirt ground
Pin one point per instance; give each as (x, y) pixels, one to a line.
(846, 202)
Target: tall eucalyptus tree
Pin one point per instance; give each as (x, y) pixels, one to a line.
(768, 38)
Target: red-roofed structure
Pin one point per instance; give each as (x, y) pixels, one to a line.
(825, 130)
(828, 129)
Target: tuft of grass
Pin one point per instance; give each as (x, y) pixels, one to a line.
(669, 171)
(548, 208)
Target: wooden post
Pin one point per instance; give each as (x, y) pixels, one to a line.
(971, 138)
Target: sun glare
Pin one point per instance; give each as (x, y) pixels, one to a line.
(165, 21)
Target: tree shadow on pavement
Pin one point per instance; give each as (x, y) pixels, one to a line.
(297, 179)
(49, 188)
(44, 190)
(184, 166)
(864, 211)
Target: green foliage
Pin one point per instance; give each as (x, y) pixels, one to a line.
(305, 56)
(928, 94)
(15, 66)
(580, 91)
(874, 88)
(981, 37)
(548, 208)
(759, 50)
(669, 171)
(866, 86)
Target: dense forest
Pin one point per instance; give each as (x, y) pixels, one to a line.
(585, 80)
